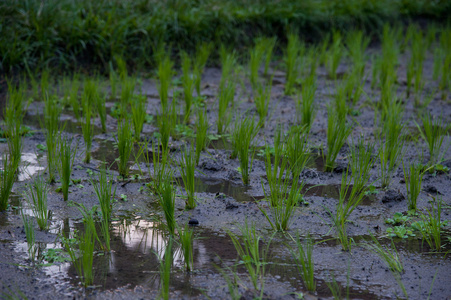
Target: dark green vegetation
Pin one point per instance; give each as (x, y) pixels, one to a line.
(319, 147)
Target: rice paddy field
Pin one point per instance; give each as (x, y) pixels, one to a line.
(225, 150)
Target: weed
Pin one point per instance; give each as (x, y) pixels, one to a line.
(138, 114)
(30, 234)
(413, 177)
(103, 188)
(201, 133)
(7, 178)
(291, 59)
(165, 76)
(305, 263)
(124, 144)
(188, 84)
(262, 98)
(433, 133)
(305, 105)
(337, 133)
(389, 256)
(187, 170)
(66, 157)
(202, 53)
(186, 241)
(37, 199)
(244, 133)
(166, 198)
(250, 254)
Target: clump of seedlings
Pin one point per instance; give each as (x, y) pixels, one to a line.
(124, 145)
(37, 198)
(138, 105)
(165, 270)
(262, 97)
(165, 76)
(334, 55)
(431, 225)
(433, 133)
(89, 95)
(188, 82)
(337, 133)
(226, 95)
(357, 44)
(413, 176)
(201, 133)
(66, 154)
(243, 134)
(51, 117)
(30, 235)
(305, 104)
(292, 59)
(186, 236)
(202, 53)
(296, 150)
(187, 170)
(304, 261)
(7, 178)
(166, 199)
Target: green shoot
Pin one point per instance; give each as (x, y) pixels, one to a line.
(389, 256)
(37, 199)
(188, 84)
(128, 89)
(357, 43)
(244, 133)
(413, 176)
(201, 133)
(124, 144)
(30, 234)
(305, 263)
(66, 156)
(269, 44)
(7, 178)
(165, 270)
(256, 57)
(297, 150)
(305, 104)
(337, 133)
(433, 133)
(262, 98)
(187, 170)
(186, 241)
(431, 226)
(165, 76)
(51, 117)
(73, 96)
(226, 95)
(291, 59)
(138, 114)
(202, 54)
(335, 54)
(101, 110)
(87, 127)
(166, 199)
(103, 188)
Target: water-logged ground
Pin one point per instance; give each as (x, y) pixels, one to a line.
(139, 240)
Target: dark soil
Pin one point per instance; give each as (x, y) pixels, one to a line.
(138, 236)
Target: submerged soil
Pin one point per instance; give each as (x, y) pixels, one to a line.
(139, 239)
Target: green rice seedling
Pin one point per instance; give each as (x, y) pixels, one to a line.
(101, 110)
(128, 85)
(292, 59)
(201, 133)
(283, 193)
(186, 241)
(83, 257)
(418, 55)
(105, 193)
(139, 114)
(445, 61)
(305, 262)
(244, 133)
(413, 176)
(165, 270)
(431, 225)
(73, 96)
(15, 143)
(66, 156)
(87, 127)
(251, 255)
(323, 49)
(188, 82)
(124, 144)
(45, 83)
(335, 54)
(202, 53)
(362, 161)
(305, 105)
(30, 235)
(226, 95)
(232, 283)
(51, 118)
(113, 78)
(390, 56)
(165, 76)
(269, 44)
(357, 44)
(337, 133)
(37, 198)
(7, 178)
(389, 256)
(167, 122)
(261, 99)
(228, 64)
(341, 107)
(256, 57)
(297, 150)
(187, 170)
(433, 132)
(166, 199)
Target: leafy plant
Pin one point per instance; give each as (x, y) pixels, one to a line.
(243, 134)
(187, 170)
(398, 219)
(432, 225)
(400, 231)
(37, 199)
(124, 144)
(66, 157)
(337, 133)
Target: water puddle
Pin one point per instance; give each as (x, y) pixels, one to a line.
(31, 163)
(333, 191)
(108, 152)
(67, 122)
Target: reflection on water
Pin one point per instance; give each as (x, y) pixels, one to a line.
(30, 165)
